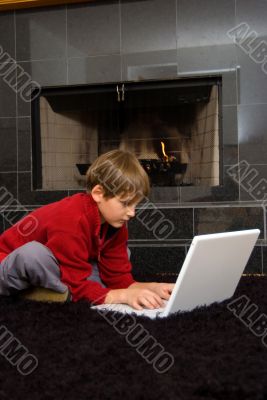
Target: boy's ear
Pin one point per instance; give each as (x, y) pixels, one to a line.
(97, 193)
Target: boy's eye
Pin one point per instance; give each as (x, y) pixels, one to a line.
(124, 203)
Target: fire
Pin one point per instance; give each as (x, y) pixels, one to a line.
(163, 151)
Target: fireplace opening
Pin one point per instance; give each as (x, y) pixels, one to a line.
(173, 127)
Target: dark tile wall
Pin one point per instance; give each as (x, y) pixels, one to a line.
(166, 256)
(8, 148)
(201, 35)
(157, 260)
(212, 219)
(10, 217)
(24, 144)
(264, 259)
(145, 39)
(7, 95)
(146, 222)
(255, 262)
(7, 33)
(148, 26)
(1, 224)
(252, 133)
(167, 260)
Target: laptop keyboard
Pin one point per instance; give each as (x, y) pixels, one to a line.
(125, 309)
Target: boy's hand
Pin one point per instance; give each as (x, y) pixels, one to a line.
(141, 295)
(134, 296)
(164, 290)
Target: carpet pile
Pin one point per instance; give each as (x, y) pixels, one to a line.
(208, 353)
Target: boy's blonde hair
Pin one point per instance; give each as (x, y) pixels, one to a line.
(120, 174)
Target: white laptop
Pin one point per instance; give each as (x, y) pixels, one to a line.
(210, 273)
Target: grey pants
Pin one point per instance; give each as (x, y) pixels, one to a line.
(33, 264)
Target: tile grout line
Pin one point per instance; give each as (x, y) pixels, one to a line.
(66, 46)
(120, 25)
(262, 269)
(17, 134)
(264, 221)
(176, 35)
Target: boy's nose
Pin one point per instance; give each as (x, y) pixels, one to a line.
(131, 211)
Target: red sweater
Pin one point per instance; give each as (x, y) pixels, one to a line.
(70, 228)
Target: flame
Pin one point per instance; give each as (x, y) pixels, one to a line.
(163, 151)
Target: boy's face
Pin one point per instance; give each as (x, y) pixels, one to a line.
(116, 210)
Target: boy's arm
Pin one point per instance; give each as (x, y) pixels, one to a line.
(115, 267)
(115, 271)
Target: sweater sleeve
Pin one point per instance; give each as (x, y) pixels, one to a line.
(72, 252)
(114, 265)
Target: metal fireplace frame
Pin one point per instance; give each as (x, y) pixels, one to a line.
(120, 90)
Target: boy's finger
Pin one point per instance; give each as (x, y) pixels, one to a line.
(158, 300)
(170, 286)
(165, 295)
(148, 303)
(153, 300)
(137, 306)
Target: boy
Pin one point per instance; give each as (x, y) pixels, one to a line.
(56, 245)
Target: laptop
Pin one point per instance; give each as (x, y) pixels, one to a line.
(210, 273)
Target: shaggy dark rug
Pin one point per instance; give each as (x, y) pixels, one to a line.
(81, 355)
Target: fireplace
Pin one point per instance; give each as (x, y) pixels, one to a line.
(172, 126)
